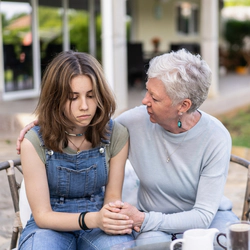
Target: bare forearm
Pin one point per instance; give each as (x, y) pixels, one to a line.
(57, 221)
(111, 223)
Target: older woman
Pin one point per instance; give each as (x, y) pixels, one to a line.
(180, 153)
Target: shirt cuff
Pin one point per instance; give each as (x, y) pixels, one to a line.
(145, 221)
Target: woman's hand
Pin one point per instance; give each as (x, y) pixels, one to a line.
(132, 212)
(111, 222)
(22, 134)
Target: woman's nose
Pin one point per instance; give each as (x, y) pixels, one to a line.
(145, 100)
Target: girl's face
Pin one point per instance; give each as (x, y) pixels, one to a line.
(81, 105)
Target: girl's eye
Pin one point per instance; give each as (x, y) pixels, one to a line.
(72, 97)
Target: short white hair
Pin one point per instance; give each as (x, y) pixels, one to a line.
(184, 75)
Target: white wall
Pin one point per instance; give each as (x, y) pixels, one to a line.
(148, 26)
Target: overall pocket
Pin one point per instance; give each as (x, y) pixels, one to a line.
(76, 183)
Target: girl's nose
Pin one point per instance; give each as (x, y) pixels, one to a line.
(83, 104)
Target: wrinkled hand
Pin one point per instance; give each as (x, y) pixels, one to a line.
(132, 212)
(113, 222)
(22, 134)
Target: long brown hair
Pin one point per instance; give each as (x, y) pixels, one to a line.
(55, 92)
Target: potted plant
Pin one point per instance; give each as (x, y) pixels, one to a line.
(156, 42)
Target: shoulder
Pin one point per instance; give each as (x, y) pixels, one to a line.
(119, 130)
(119, 138)
(137, 110)
(214, 124)
(33, 135)
(132, 116)
(215, 132)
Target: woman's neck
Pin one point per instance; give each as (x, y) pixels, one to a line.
(187, 122)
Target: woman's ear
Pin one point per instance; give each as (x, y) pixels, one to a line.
(185, 105)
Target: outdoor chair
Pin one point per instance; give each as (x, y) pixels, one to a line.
(11, 166)
(129, 187)
(246, 205)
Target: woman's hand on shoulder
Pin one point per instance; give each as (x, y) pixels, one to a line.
(22, 134)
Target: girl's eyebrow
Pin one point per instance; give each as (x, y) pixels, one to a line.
(75, 92)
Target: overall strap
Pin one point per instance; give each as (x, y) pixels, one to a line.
(37, 131)
(109, 133)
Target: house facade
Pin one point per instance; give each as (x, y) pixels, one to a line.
(156, 27)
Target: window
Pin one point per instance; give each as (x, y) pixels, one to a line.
(187, 18)
(17, 46)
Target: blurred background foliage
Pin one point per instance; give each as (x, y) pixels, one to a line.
(237, 35)
(237, 123)
(228, 3)
(50, 24)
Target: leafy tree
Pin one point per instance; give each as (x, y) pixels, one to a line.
(98, 38)
(78, 23)
(4, 20)
(235, 32)
(236, 3)
(49, 17)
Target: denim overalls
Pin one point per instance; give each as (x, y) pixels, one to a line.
(76, 184)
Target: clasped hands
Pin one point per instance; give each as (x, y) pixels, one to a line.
(120, 218)
(124, 212)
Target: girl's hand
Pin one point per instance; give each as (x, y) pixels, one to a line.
(132, 212)
(114, 222)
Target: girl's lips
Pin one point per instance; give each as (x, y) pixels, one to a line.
(83, 117)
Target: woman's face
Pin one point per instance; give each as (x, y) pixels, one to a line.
(82, 104)
(159, 105)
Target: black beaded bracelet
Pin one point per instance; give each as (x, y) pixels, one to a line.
(81, 221)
